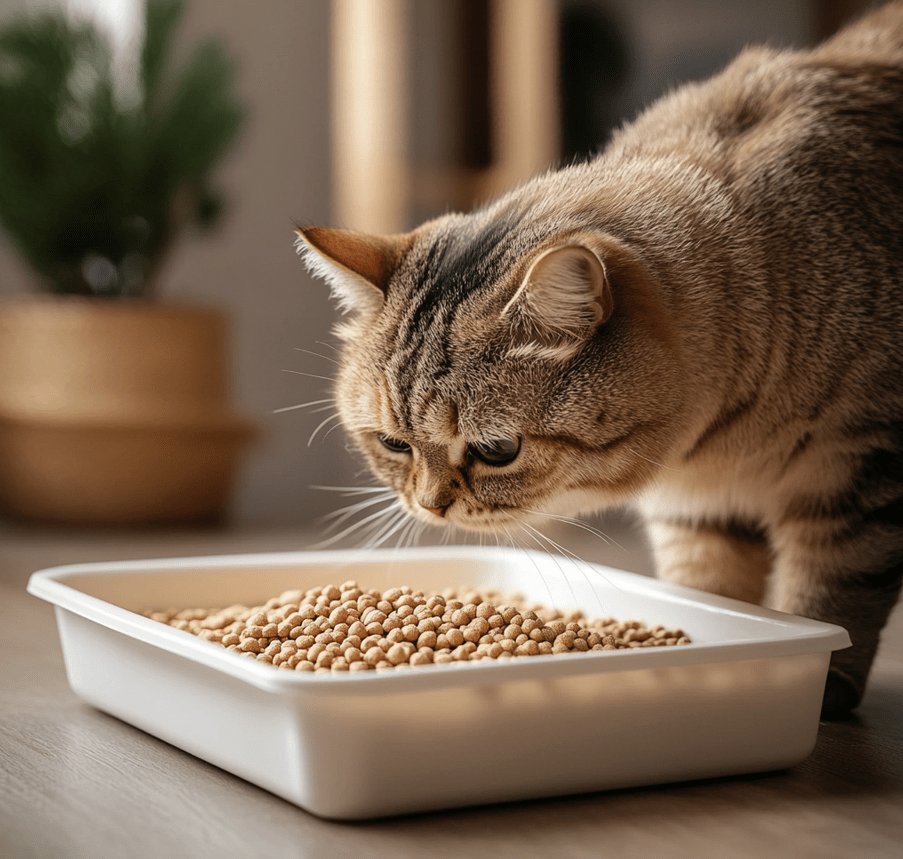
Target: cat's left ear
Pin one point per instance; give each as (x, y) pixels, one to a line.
(357, 266)
(564, 297)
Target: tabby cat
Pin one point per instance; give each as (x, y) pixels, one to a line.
(704, 321)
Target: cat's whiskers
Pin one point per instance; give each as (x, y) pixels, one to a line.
(344, 513)
(316, 354)
(586, 569)
(396, 519)
(332, 429)
(405, 535)
(542, 540)
(555, 545)
(514, 543)
(577, 523)
(329, 400)
(405, 529)
(354, 490)
(333, 417)
(388, 511)
(309, 375)
(377, 533)
(528, 553)
(329, 404)
(416, 528)
(385, 522)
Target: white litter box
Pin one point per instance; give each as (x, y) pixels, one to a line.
(745, 696)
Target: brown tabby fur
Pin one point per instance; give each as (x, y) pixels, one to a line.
(704, 321)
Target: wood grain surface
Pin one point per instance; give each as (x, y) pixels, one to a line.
(75, 782)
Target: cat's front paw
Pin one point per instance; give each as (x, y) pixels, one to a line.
(842, 694)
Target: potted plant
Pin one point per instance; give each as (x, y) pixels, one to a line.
(113, 405)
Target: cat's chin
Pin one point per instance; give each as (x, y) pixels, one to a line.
(501, 520)
(504, 521)
(486, 521)
(487, 524)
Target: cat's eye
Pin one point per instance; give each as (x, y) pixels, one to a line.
(394, 444)
(497, 451)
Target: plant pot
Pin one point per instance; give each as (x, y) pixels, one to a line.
(116, 413)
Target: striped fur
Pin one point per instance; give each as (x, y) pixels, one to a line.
(745, 386)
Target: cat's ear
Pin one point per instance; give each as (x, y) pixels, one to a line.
(564, 297)
(357, 266)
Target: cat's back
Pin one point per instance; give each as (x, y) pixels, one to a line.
(877, 38)
(807, 147)
(771, 110)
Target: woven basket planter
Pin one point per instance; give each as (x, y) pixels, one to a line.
(116, 413)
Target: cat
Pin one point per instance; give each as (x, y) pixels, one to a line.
(704, 321)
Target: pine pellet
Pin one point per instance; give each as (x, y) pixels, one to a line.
(340, 629)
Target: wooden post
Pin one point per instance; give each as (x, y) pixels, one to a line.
(369, 97)
(524, 58)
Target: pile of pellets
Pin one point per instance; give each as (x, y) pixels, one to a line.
(334, 629)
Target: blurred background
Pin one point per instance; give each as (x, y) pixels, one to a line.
(378, 114)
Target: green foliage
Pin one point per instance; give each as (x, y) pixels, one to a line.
(95, 181)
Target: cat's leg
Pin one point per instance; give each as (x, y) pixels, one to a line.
(729, 559)
(850, 576)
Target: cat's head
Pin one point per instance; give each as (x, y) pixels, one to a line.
(491, 372)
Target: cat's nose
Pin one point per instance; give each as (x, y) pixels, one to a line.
(439, 511)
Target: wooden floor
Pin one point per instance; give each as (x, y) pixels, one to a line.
(75, 782)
